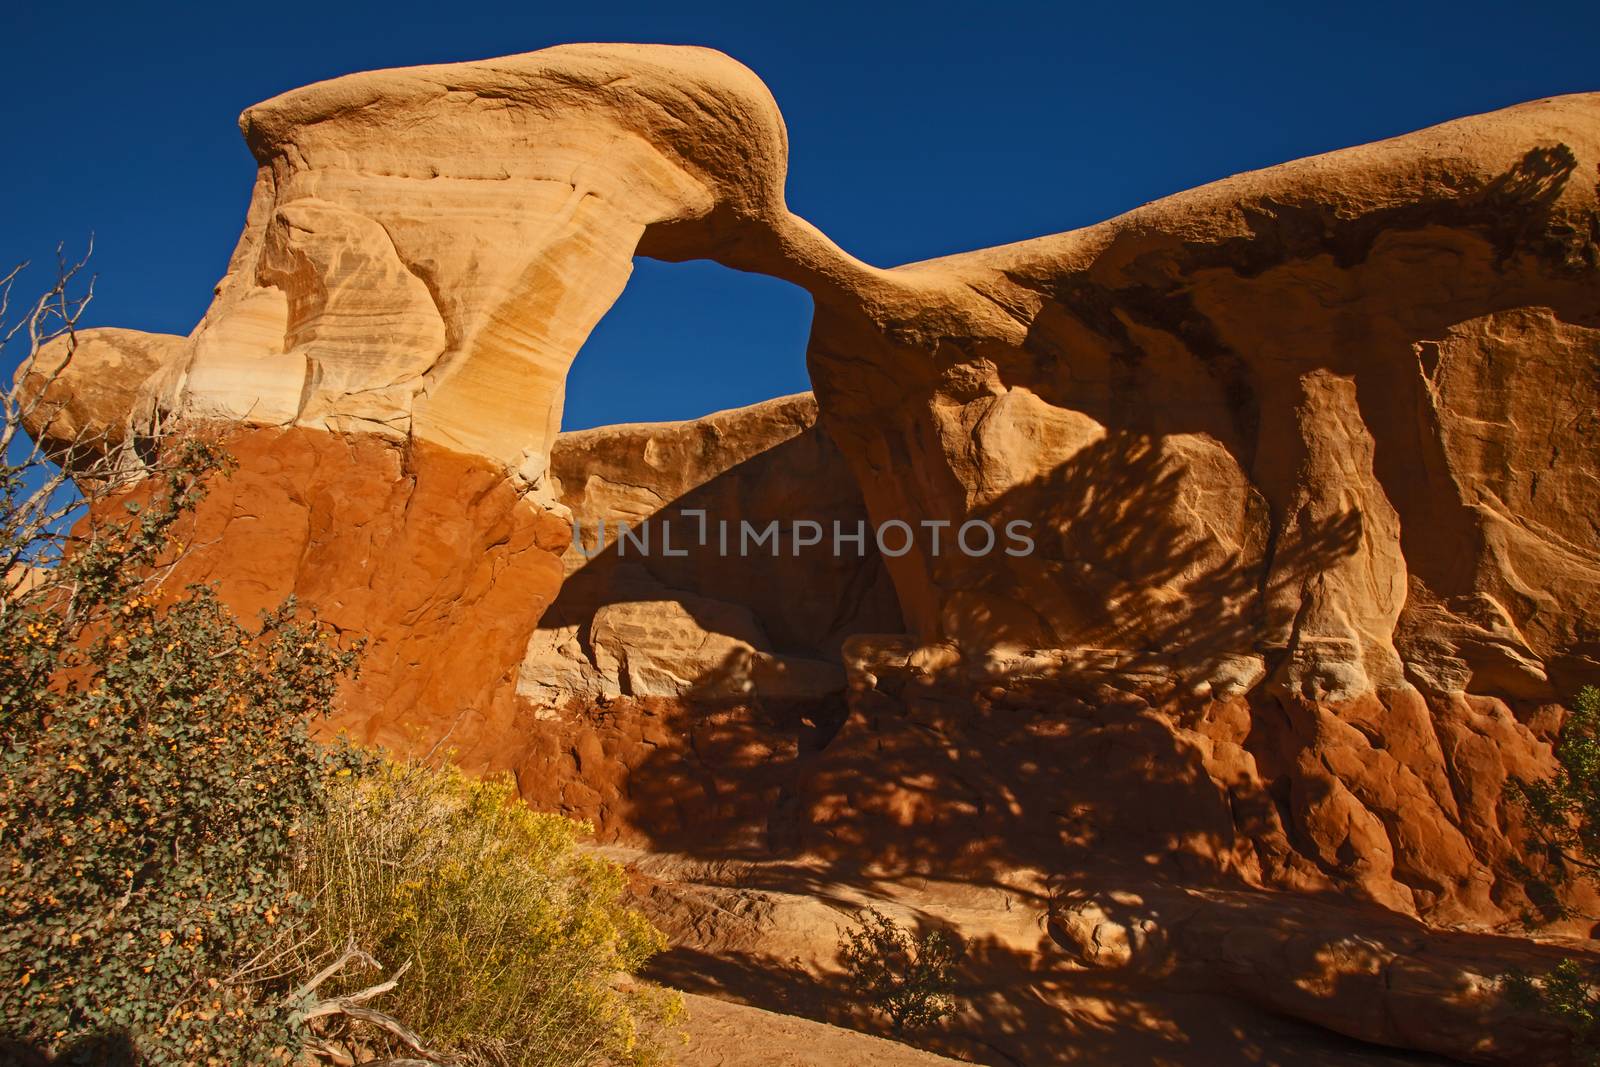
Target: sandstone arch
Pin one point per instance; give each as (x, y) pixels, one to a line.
(1347, 405)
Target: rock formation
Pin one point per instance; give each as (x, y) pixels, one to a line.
(1308, 457)
(669, 613)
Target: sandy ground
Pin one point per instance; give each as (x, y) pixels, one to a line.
(722, 1034)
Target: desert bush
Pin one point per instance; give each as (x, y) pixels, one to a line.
(178, 856)
(511, 937)
(1564, 809)
(1564, 813)
(154, 768)
(152, 779)
(154, 757)
(911, 978)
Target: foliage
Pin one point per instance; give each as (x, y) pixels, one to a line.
(154, 766)
(1569, 993)
(177, 855)
(910, 978)
(154, 757)
(1564, 811)
(513, 935)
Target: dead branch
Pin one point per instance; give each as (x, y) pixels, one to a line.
(350, 954)
(352, 1006)
(338, 1005)
(397, 1029)
(329, 1053)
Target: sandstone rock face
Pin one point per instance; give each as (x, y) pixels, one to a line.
(665, 611)
(1306, 460)
(1129, 972)
(1309, 336)
(426, 249)
(87, 393)
(411, 547)
(1296, 956)
(1273, 373)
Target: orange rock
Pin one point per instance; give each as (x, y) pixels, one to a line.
(429, 555)
(1306, 459)
(694, 616)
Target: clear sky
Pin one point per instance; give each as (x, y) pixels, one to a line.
(914, 130)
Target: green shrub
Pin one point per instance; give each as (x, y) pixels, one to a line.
(513, 938)
(1564, 812)
(154, 757)
(1567, 993)
(910, 978)
(1565, 808)
(154, 766)
(177, 855)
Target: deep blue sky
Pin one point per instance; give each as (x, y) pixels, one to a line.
(914, 131)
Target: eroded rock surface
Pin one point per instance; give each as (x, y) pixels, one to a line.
(662, 599)
(1308, 457)
(432, 557)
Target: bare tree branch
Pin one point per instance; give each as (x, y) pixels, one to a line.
(351, 954)
(396, 1029)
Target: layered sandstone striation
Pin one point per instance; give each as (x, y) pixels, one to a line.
(424, 253)
(1308, 456)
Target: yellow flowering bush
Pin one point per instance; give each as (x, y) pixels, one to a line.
(179, 861)
(517, 941)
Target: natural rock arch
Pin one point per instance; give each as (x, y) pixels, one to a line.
(1332, 498)
(686, 340)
